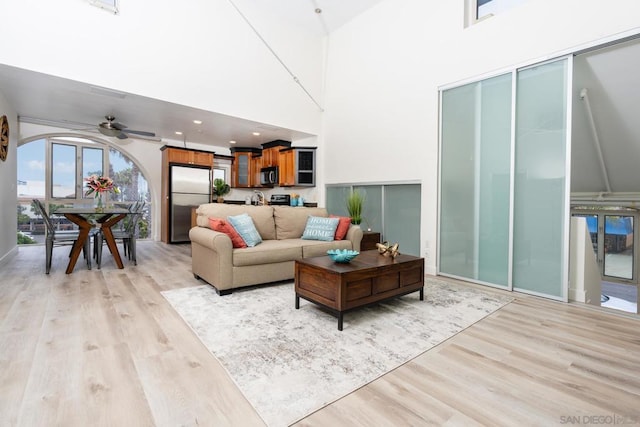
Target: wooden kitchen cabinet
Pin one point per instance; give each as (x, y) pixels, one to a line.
(286, 168)
(271, 152)
(256, 165)
(297, 167)
(188, 157)
(242, 174)
(270, 157)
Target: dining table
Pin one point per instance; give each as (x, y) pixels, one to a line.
(86, 218)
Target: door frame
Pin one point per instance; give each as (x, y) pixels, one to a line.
(600, 253)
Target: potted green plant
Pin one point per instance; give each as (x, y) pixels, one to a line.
(355, 201)
(220, 189)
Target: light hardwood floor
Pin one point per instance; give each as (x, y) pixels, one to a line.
(103, 347)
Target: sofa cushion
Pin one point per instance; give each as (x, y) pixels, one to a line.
(268, 252)
(219, 224)
(343, 226)
(320, 228)
(262, 216)
(313, 248)
(290, 221)
(246, 229)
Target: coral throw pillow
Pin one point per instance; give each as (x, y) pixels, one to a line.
(221, 225)
(343, 226)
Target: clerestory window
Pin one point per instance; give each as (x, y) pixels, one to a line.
(492, 7)
(477, 10)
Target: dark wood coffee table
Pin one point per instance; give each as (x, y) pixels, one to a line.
(368, 279)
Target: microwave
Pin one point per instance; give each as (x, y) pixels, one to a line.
(269, 176)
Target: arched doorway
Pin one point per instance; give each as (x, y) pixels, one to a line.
(52, 168)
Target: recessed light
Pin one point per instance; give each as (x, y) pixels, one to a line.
(178, 132)
(232, 142)
(256, 133)
(198, 122)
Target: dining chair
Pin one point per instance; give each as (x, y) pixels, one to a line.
(55, 237)
(127, 232)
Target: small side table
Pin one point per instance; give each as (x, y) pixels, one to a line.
(369, 240)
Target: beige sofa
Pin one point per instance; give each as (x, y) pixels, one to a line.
(215, 261)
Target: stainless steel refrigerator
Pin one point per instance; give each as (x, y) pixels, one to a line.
(190, 186)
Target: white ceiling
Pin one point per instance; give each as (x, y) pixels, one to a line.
(69, 104)
(610, 76)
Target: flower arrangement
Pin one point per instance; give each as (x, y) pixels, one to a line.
(97, 185)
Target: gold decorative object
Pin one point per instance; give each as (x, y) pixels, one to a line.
(387, 250)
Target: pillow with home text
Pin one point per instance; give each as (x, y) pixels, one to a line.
(320, 228)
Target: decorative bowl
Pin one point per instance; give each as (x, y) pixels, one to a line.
(342, 255)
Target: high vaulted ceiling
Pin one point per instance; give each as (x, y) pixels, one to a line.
(45, 99)
(610, 77)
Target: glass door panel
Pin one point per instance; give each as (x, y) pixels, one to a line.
(540, 195)
(372, 209)
(475, 181)
(618, 246)
(402, 214)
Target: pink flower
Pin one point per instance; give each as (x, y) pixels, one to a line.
(97, 185)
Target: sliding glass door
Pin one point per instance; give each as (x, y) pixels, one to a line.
(504, 197)
(541, 195)
(474, 176)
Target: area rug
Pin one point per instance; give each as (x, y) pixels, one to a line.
(288, 363)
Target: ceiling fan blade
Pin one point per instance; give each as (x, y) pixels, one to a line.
(109, 131)
(113, 128)
(139, 132)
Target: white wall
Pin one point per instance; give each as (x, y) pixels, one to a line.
(585, 282)
(198, 53)
(385, 68)
(8, 191)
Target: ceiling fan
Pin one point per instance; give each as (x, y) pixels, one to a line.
(120, 131)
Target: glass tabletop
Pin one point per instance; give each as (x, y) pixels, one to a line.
(91, 210)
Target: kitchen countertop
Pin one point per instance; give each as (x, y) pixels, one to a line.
(242, 202)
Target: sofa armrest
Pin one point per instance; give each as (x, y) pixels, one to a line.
(212, 257)
(354, 234)
(214, 240)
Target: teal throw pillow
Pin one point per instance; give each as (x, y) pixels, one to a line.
(246, 229)
(320, 228)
